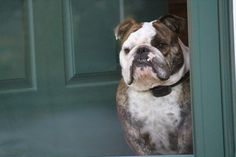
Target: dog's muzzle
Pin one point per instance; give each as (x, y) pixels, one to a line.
(141, 58)
(158, 64)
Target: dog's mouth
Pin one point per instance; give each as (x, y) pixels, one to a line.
(154, 65)
(142, 62)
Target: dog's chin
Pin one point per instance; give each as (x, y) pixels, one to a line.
(144, 78)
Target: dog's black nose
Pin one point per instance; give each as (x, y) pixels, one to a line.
(142, 50)
(142, 53)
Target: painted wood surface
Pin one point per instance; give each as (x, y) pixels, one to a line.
(58, 76)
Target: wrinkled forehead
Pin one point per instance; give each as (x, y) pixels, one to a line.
(149, 31)
(144, 35)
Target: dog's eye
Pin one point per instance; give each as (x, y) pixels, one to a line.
(161, 45)
(126, 50)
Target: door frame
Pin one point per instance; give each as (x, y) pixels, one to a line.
(212, 77)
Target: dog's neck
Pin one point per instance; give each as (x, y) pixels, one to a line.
(160, 91)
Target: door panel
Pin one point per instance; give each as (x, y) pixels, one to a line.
(58, 76)
(12, 41)
(17, 55)
(90, 50)
(94, 42)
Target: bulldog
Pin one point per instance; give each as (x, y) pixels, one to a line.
(153, 98)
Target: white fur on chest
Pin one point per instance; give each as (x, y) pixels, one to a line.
(159, 115)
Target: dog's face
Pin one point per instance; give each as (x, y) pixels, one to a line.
(151, 53)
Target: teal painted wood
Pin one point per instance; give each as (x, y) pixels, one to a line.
(164, 156)
(93, 25)
(17, 48)
(206, 78)
(233, 65)
(233, 76)
(134, 8)
(53, 120)
(227, 73)
(80, 58)
(12, 41)
(231, 144)
(56, 115)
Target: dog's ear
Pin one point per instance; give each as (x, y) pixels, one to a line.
(123, 28)
(174, 23)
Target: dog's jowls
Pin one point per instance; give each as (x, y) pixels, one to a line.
(153, 99)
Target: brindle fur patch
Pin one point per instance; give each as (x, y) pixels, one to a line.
(125, 28)
(174, 23)
(170, 46)
(185, 126)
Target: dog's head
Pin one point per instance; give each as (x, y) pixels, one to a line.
(151, 52)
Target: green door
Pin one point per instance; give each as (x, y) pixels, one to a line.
(58, 75)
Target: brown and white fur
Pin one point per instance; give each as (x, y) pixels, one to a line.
(153, 55)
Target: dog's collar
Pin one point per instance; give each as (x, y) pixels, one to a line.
(160, 91)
